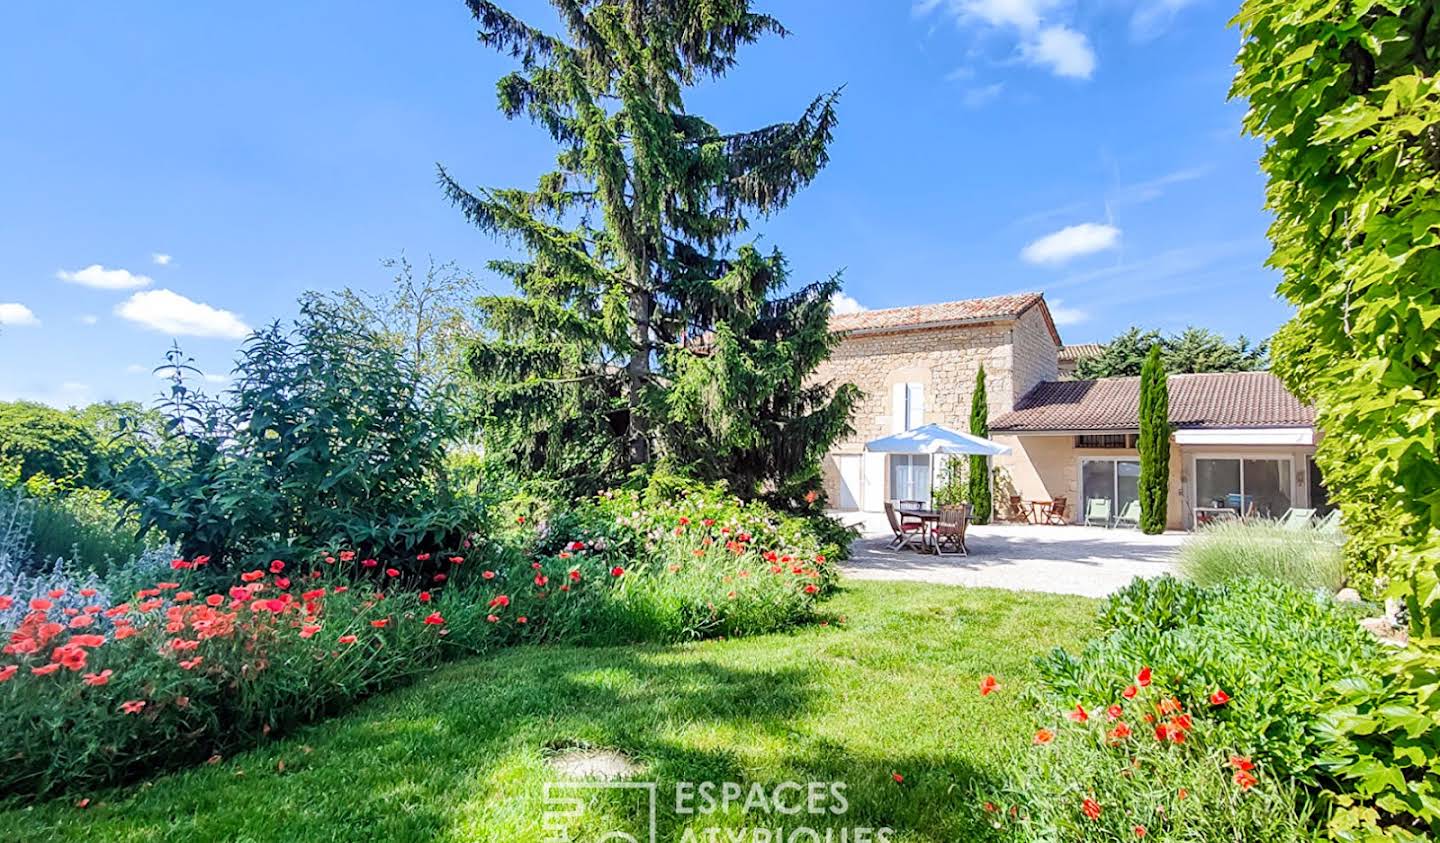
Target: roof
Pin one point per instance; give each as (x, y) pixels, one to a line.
(1079, 351)
(1221, 399)
(943, 315)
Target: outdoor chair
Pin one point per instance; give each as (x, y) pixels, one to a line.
(1296, 519)
(909, 505)
(1097, 509)
(1129, 516)
(1018, 513)
(949, 531)
(1055, 514)
(909, 534)
(1330, 524)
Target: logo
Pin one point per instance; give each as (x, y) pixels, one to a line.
(566, 803)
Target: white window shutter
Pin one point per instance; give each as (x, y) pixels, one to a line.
(917, 405)
(897, 407)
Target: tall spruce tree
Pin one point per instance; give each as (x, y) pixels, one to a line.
(1154, 444)
(979, 465)
(637, 331)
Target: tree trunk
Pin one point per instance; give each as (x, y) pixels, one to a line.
(637, 373)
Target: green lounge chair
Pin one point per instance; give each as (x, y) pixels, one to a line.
(1098, 509)
(1129, 516)
(1296, 519)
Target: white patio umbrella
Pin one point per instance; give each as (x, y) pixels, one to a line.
(936, 439)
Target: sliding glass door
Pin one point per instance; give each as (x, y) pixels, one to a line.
(1114, 480)
(1260, 487)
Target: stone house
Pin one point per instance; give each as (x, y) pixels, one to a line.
(1241, 440)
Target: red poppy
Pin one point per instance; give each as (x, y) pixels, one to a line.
(1130, 692)
(370, 563)
(1090, 808)
(184, 596)
(1144, 677)
(522, 619)
(1120, 732)
(252, 576)
(617, 571)
(899, 779)
(1044, 736)
(392, 572)
(1245, 780)
(347, 639)
(988, 686)
(8, 671)
(456, 560)
(313, 594)
(214, 600)
(276, 566)
(6, 601)
(500, 600)
(57, 593)
(1219, 698)
(40, 604)
(88, 592)
(424, 597)
(439, 578)
(1242, 763)
(46, 670)
(87, 640)
(1079, 715)
(434, 619)
(380, 623)
(990, 807)
(309, 630)
(491, 618)
(81, 621)
(276, 606)
(1114, 711)
(347, 555)
(191, 664)
(282, 582)
(575, 575)
(132, 706)
(541, 580)
(489, 575)
(811, 588)
(422, 557)
(167, 586)
(1139, 831)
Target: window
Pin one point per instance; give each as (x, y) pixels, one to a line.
(1106, 440)
(1249, 486)
(910, 477)
(907, 406)
(1114, 480)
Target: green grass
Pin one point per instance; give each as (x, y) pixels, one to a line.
(460, 755)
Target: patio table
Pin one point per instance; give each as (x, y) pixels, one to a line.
(1210, 514)
(928, 518)
(1038, 510)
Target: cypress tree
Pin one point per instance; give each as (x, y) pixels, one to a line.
(980, 465)
(637, 330)
(1154, 444)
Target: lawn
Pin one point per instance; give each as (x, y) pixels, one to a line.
(887, 686)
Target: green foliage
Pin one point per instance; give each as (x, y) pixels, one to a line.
(1154, 444)
(1191, 350)
(980, 466)
(1228, 551)
(46, 441)
(1272, 648)
(1382, 744)
(88, 525)
(953, 487)
(637, 331)
(1347, 99)
(326, 435)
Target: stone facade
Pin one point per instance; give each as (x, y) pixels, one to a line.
(1017, 353)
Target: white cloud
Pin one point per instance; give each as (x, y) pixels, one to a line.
(212, 378)
(1062, 315)
(1153, 17)
(136, 369)
(101, 278)
(1071, 242)
(171, 313)
(1040, 41)
(841, 304)
(1063, 50)
(17, 314)
(976, 97)
(161, 259)
(88, 319)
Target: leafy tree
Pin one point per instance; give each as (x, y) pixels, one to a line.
(1191, 350)
(1347, 99)
(1154, 444)
(980, 465)
(327, 437)
(636, 329)
(44, 440)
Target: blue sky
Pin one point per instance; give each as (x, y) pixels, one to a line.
(185, 171)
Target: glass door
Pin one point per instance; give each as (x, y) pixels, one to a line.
(1261, 487)
(1114, 480)
(910, 478)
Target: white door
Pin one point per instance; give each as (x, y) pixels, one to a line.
(849, 465)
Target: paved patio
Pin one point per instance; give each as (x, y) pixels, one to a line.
(1089, 561)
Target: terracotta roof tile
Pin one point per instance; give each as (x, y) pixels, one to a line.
(937, 315)
(1222, 399)
(1080, 350)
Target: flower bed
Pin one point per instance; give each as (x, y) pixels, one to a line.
(95, 690)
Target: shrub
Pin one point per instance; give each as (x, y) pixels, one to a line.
(1271, 648)
(44, 440)
(1225, 552)
(327, 435)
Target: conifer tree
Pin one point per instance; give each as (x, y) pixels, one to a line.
(980, 499)
(637, 329)
(1154, 443)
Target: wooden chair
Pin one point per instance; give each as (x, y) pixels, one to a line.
(1129, 516)
(907, 533)
(1097, 509)
(1056, 513)
(1018, 513)
(949, 532)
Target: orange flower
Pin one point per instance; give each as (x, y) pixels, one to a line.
(1120, 732)
(132, 706)
(434, 618)
(40, 604)
(1242, 763)
(1130, 692)
(1114, 712)
(1079, 715)
(899, 779)
(1090, 808)
(1245, 780)
(988, 686)
(1219, 698)
(309, 630)
(8, 671)
(1140, 831)
(347, 639)
(191, 664)
(6, 601)
(1044, 736)
(380, 624)
(46, 670)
